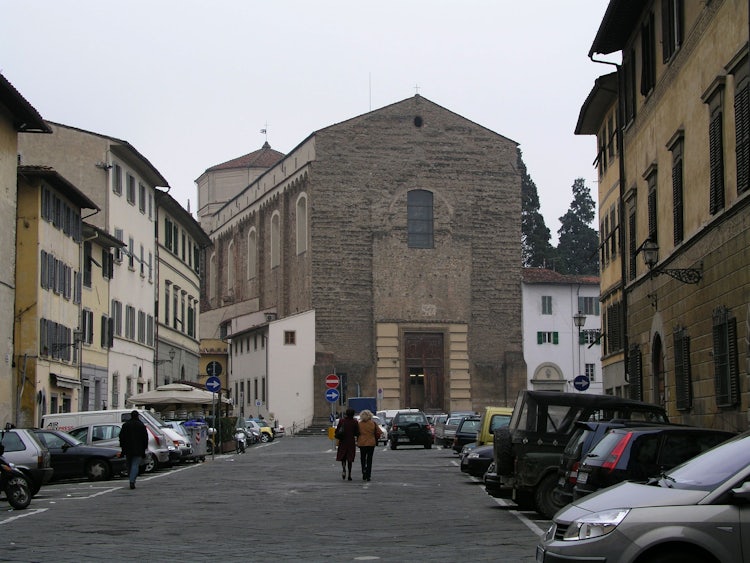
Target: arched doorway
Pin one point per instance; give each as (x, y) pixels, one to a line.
(657, 369)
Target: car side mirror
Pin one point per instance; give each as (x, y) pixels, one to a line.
(743, 491)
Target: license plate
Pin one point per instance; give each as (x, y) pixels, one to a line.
(539, 554)
(583, 477)
(404, 439)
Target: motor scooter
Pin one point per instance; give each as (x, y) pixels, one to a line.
(13, 483)
(240, 438)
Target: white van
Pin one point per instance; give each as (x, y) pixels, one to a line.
(161, 448)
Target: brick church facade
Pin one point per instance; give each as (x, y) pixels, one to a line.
(399, 233)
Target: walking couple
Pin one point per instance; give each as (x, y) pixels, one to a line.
(364, 434)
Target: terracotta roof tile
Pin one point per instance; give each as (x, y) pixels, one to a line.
(543, 275)
(265, 157)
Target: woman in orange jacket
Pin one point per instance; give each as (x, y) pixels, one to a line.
(369, 433)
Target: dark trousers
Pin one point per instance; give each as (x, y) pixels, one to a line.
(365, 456)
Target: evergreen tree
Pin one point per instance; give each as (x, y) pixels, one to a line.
(536, 250)
(578, 249)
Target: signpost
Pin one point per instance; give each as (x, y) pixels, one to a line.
(213, 384)
(332, 395)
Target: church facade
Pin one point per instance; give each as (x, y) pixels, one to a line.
(385, 249)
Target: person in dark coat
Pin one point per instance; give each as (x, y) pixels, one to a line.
(134, 443)
(347, 446)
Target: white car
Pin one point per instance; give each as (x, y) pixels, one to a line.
(180, 440)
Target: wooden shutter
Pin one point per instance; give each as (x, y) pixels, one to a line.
(716, 163)
(742, 136)
(677, 201)
(683, 380)
(635, 374)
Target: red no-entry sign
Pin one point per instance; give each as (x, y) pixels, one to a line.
(332, 381)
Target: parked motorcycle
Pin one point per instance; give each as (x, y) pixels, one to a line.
(14, 484)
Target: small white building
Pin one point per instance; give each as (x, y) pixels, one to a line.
(560, 355)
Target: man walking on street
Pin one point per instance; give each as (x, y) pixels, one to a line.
(134, 443)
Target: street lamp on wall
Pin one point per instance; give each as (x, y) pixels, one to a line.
(650, 251)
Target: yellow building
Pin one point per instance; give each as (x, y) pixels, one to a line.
(673, 129)
(16, 116)
(50, 273)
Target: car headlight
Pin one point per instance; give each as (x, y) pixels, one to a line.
(595, 525)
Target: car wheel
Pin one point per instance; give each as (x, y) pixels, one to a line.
(503, 450)
(33, 487)
(150, 464)
(545, 499)
(264, 438)
(97, 470)
(677, 555)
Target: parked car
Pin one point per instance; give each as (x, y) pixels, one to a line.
(107, 434)
(266, 432)
(181, 442)
(383, 430)
(466, 432)
(492, 419)
(29, 454)
(696, 512)
(635, 454)
(583, 439)
(410, 428)
(477, 460)
(72, 458)
(527, 451)
(445, 433)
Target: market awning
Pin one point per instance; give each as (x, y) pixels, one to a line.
(67, 382)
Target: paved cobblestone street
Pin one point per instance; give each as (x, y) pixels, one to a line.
(279, 501)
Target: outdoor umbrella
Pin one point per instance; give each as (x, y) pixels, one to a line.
(175, 394)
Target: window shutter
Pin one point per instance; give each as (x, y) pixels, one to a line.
(555, 338)
(732, 364)
(742, 136)
(635, 375)
(581, 337)
(716, 162)
(683, 379)
(104, 332)
(666, 35)
(677, 201)
(539, 338)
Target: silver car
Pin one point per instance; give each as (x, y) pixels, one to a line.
(699, 512)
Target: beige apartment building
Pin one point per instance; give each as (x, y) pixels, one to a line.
(672, 123)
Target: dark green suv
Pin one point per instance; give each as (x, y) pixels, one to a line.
(528, 451)
(410, 428)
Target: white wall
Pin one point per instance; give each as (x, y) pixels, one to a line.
(554, 366)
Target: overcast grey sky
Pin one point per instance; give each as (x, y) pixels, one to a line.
(191, 83)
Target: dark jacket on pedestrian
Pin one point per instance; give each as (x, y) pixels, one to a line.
(134, 437)
(348, 446)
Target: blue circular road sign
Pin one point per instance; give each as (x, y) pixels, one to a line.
(581, 382)
(213, 384)
(332, 395)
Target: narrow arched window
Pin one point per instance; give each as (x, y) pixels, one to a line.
(420, 219)
(301, 223)
(252, 254)
(231, 264)
(275, 240)
(213, 278)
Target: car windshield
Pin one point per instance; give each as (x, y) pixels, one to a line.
(52, 440)
(455, 421)
(706, 471)
(469, 425)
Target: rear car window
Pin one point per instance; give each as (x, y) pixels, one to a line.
(409, 418)
(13, 442)
(469, 425)
(499, 421)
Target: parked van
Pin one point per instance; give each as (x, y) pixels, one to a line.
(492, 419)
(161, 449)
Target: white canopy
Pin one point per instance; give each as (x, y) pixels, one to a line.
(176, 394)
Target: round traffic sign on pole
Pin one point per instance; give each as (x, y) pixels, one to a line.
(332, 381)
(581, 382)
(332, 395)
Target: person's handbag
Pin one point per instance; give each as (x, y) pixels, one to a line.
(339, 434)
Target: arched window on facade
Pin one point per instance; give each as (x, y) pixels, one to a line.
(252, 254)
(213, 278)
(275, 239)
(231, 264)
(301, 223)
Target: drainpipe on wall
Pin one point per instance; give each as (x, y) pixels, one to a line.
(621, 210)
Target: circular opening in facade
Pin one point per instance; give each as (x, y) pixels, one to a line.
(418, 121)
